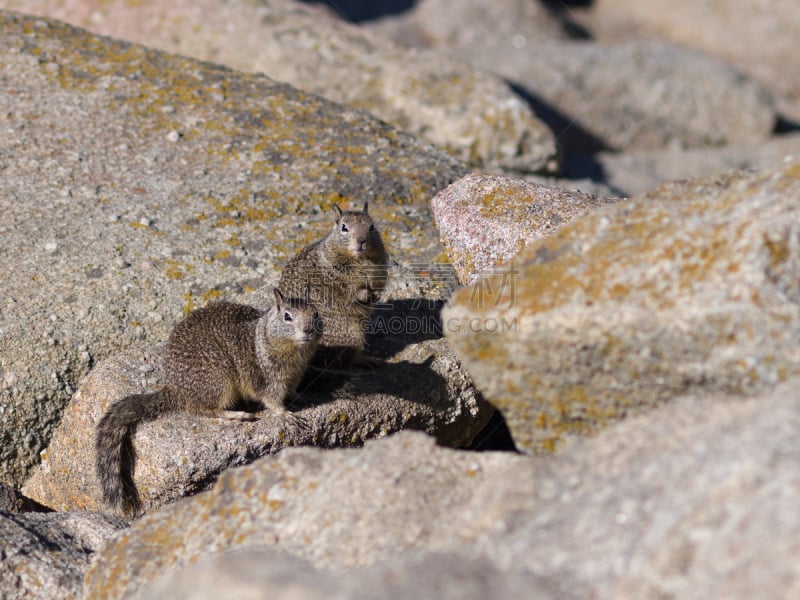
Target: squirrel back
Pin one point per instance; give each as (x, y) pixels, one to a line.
(347, 271)
(215, 358)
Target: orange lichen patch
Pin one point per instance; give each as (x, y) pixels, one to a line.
(176, 270)
(592, 257)
(210, 296)
(190, 303)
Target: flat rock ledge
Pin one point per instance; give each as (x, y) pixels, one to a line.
(421, 387)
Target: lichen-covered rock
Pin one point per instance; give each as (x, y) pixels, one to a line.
(137, 185)
(691, 287)
(698, 496)
(420, 387)
(45, 556)
(474, 115)
(487, 220)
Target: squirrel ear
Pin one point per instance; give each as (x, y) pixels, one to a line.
(366, 205)
(278, 298)
(338, 212)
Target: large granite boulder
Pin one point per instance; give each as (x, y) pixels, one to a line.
(692, 287)
(474, 115)
(756, 36)
(697, 499)
(137, 185)
(501, 27)
(640, 96)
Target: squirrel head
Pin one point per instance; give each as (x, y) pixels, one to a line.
(355, 231)
(296, 319)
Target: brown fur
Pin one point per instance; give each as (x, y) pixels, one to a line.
(347, 272)
(215, 358)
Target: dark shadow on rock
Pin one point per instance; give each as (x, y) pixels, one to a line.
(396, 324)
(567, 4)
(561, 10)
(495, 436)
(357, 11)
(14, 501)
(785, 126)
(571, 137)
(413, 382)
(585, 166)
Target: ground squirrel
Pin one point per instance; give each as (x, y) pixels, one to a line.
(216, 358)
(347, 272)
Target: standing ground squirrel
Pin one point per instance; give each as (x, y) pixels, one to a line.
(347, 272)
(215, 358)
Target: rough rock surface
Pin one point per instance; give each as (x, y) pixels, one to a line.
(697, 499)
(757, 36)
(421, 387)
(258, 573)
(136, 185)
(691, 287)
(637, 95)
(15, 502)
(632, 174)
(487, 220)
(503, 26)
(45, 556)
(472, 114)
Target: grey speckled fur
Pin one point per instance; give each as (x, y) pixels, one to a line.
(216, 357)
(347, 272)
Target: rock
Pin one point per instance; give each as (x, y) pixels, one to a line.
(13, 501)
(473, 115)
(111, 231)
(46, 555)
(692, 287)
(260, 573)
(699, 495)
(755, 36)
(487, 220)
(636, 96)
(422, 387)
(506, 26)
(631, 174)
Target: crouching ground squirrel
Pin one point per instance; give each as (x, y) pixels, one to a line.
(215, 358)
(346, 271)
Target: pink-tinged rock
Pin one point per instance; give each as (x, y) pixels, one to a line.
(486, 220)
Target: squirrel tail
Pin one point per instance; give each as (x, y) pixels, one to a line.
(114, 446)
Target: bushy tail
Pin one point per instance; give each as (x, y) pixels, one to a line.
(114, 446)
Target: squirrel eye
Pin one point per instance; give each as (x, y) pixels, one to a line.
(287, 316)
(344, 228)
